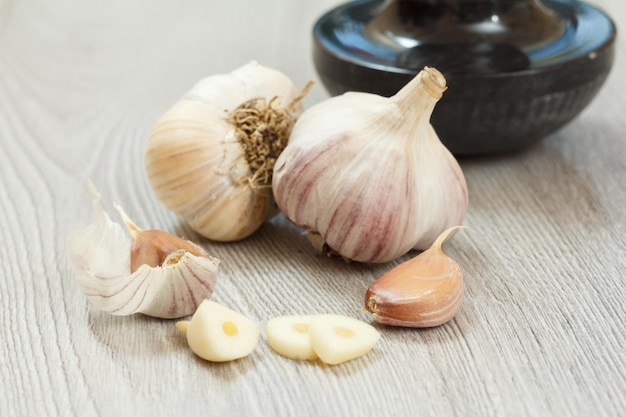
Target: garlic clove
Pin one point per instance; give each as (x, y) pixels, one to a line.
(289, 336)
(218, 334)
(367, 175)
(169, 279)
(210, 157)
(425, 291)
(155, 247)
(337, 339)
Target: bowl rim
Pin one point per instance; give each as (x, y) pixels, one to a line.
(606, 46)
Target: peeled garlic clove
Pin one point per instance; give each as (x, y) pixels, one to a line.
(210, 157)
(337, 339)
(367, 177)
(425, 291)
(157, 274)
(289, 336)
(219, 334)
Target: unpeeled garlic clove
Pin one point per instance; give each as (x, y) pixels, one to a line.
(156, 274)
(425, 291)
(154, 247)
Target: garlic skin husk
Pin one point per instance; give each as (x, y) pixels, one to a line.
(369, 175)
(196, 164)
(425, 291)
(100, 256)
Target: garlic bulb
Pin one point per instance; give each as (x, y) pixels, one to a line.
(425, 291)
(210, 157)
(367, 177)
(157, 274)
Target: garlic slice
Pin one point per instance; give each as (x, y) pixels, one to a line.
(332, 338)
(289, 336)
(174, 286)
(218, 334)
(337, 339)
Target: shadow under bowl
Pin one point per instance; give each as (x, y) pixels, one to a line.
(502, 95)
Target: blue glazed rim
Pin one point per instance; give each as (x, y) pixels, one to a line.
(588, 31)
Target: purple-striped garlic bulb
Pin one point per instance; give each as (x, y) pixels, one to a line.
(367, 177)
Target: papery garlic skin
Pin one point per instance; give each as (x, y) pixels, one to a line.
(369, 174)
(100, 256)
(425, 291)
(197, 166)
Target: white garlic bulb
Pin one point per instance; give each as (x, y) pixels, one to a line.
(210, 157)
(367, 177)
(156, 274)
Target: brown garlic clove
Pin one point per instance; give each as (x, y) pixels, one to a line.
(154, 247)
(425, 291)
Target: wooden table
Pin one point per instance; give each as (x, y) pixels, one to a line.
(541, 331)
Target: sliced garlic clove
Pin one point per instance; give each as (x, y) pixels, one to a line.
(337, 339)
(425, 291)
(101, 258)
(218, 334)
(289, 336)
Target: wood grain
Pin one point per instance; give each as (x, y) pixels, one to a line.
(541, 331)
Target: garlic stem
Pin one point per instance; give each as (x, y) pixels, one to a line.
(444, 236)
(417, 99)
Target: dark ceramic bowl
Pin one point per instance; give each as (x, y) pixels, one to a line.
(517, 70)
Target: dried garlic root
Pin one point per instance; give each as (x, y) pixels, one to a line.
(218, 334)
(332, 338)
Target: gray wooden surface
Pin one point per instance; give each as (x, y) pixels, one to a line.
(541, 331)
